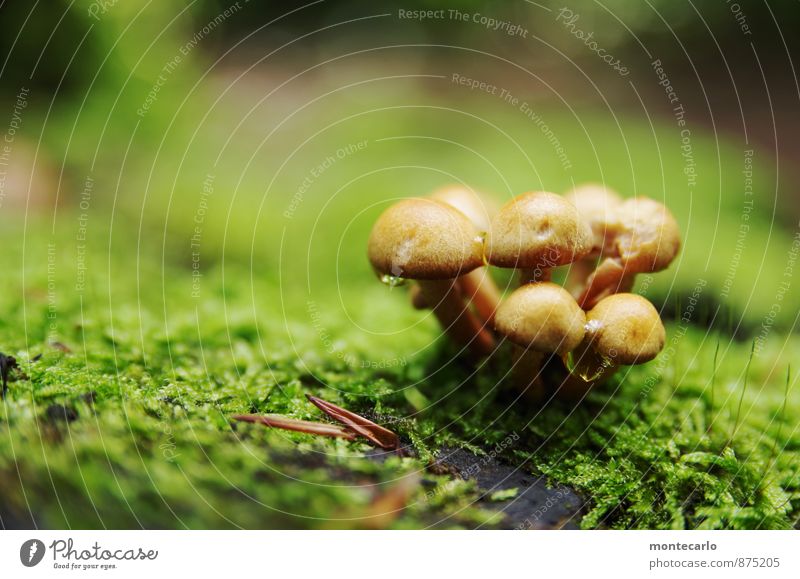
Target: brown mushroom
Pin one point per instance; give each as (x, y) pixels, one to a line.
(595, 204)
(536, 232)
(433, 243)
(642, 237)
(621, 330)
(477, 285)
(474, 206)
(540, 319)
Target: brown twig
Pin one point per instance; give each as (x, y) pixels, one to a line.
(305, 426)
(375, 433)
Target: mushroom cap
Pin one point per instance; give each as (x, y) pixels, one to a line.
(477, 209)
(424, 239)
(647, 236)
(626, 329)
(537, 230)
(596, 205)
(542, 316)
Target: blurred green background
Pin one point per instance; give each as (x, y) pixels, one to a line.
(150, 101)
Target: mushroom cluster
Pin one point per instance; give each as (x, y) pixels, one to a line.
(563, 339)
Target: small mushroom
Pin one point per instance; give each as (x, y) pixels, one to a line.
(536, 232)
(596, 205)
(474, 206)
(621, 330)
(642, 237)
(540, 319)
(432, 243)
(477, 285)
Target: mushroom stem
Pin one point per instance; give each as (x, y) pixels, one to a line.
(626, 283)
(640, 236)
(457, 320)
(604, 281)
(527, 372)
(479, 288)
(415, 295)
(578, 274)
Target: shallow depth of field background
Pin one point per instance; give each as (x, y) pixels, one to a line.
(186, 190)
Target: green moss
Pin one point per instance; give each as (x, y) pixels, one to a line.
(154, 378)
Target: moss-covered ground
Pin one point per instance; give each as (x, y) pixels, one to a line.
(125, 421)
